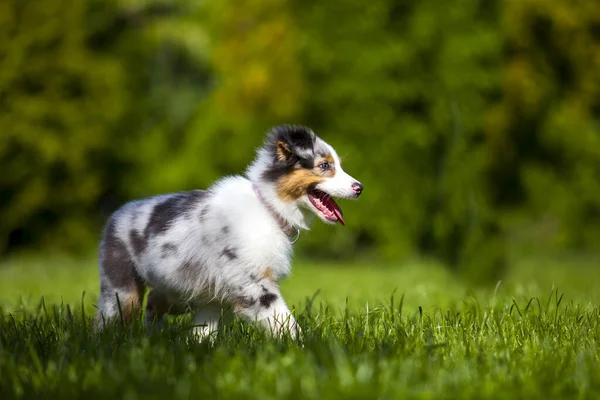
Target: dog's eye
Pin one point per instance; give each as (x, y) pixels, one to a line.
(324, 165)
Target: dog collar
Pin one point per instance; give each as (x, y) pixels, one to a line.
(292, 232)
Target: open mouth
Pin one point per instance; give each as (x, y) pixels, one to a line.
(326, 206)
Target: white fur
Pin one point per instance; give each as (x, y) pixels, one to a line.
(188, 262)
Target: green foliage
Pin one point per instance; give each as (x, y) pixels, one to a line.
(57, 99)
(462, 119)
(401, 95)
(74, 79)
(543, 143)
(402, 88)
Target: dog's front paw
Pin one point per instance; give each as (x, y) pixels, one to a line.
(294, 330)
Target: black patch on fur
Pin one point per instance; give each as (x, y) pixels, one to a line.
(299, 139)
(162, 216)
(104, 286)
(173, 207)
(246, 301)
(168, 250)
(138, 242)
(230, 253)
(192, 198)
(188, 270)
(152, 277)
(267, 299)
(308, 163)
(116, 261)
(225, 229)
(203, 213)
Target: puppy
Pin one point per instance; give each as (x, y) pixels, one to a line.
(227, 246)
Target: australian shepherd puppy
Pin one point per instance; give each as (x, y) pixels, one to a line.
(225, 247)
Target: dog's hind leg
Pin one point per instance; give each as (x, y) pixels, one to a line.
(206, 319)
(158, 305)
(121, 288)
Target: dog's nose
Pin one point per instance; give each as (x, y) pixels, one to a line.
(357, 187)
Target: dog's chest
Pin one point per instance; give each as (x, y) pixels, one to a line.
(267, 255)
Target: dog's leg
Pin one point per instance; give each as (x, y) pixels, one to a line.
(121, 293)
(158, 305)
(206, 321)
(117, 302)
(121, 289)
(262, 302)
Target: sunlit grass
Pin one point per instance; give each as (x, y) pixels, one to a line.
(410, 331)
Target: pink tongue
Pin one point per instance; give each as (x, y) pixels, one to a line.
(338, 214)
(332, 205)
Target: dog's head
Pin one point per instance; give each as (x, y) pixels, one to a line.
(304, 171)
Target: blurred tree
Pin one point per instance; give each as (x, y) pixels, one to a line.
(257, 83)
(57, 99)
(543, 138)
(401, 87)
(460, 118)
(165, 50)
(90, 94)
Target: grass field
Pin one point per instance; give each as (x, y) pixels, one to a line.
(409, 331)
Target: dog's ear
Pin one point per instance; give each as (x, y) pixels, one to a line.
(301, 137)
(283, 151)
(292, 141)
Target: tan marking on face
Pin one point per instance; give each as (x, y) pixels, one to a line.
(329, 159)
(295, 184)
(283, 151)
(329, 173)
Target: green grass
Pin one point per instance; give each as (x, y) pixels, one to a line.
(534, 335)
